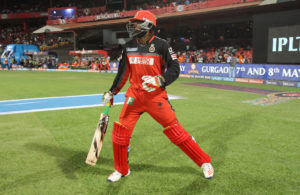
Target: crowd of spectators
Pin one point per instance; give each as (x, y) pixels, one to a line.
(15, 6)
(93, 63)
(215, 55)
(15, 34)
(207, 44)
(212, 43)
(205, 55)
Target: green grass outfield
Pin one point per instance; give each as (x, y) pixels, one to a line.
(254, 149)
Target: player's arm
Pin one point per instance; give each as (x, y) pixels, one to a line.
(122, 75)
(171, 63)
(119, 81)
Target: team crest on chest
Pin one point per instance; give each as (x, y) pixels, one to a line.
(152, 48)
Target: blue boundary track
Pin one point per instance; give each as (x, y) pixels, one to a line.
(57, 103)
(54, 103)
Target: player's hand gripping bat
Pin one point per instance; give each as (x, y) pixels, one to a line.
(98, 138)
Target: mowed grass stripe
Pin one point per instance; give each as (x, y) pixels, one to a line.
(31, 160)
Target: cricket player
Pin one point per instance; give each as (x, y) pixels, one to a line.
(151, 65)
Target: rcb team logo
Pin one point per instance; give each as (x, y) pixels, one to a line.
(152, 48)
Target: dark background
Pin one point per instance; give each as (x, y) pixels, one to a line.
(285, 55)
(261, 25)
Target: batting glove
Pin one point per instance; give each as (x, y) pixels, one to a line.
(108, 98)
(152, 83)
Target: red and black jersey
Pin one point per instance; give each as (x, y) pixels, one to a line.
(154, 58)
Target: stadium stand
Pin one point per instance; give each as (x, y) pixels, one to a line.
(15, 34)
(88, 10)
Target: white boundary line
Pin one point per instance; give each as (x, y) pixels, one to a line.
(51, 109)
(51, 97)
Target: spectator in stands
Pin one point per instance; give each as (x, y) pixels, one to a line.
(6, 63)
(181, 58)
(241, 58)
(94, 65)
(232, 62)
(106, 64)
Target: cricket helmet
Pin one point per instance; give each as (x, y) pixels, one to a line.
(142, 22)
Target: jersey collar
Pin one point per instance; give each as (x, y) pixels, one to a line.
(150, 40)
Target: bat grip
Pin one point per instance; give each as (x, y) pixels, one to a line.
(107, 108)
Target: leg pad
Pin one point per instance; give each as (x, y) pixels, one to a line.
(121, 141)
(120, 134)
(184, 141)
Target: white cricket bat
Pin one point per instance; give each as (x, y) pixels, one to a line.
(98, 138)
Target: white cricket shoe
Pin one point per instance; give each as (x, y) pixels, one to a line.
(208, 170)
(116, 176)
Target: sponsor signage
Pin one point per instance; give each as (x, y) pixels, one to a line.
(251, 71)
(288, 84)
(205, 69)
(241, 80)
(271, 82)
(186, 75)
(284, 44)
(271, 72)
(256, 81)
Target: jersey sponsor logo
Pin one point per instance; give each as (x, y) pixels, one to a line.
(141, 60)
(131, 49)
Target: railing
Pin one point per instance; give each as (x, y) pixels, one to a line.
(95, 16)
(158, 11)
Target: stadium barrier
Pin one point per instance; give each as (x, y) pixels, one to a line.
(252, 71)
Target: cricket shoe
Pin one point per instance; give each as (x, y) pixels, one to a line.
(208, 170)
(116, 176)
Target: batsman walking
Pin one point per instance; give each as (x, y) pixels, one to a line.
(151, 65)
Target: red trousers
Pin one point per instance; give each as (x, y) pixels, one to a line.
(155, 103)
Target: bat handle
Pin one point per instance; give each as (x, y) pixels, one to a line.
(107, 108)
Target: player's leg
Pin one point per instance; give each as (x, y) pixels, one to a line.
(121, 138)
(121, 141)
(180, 137)
(161, 110)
